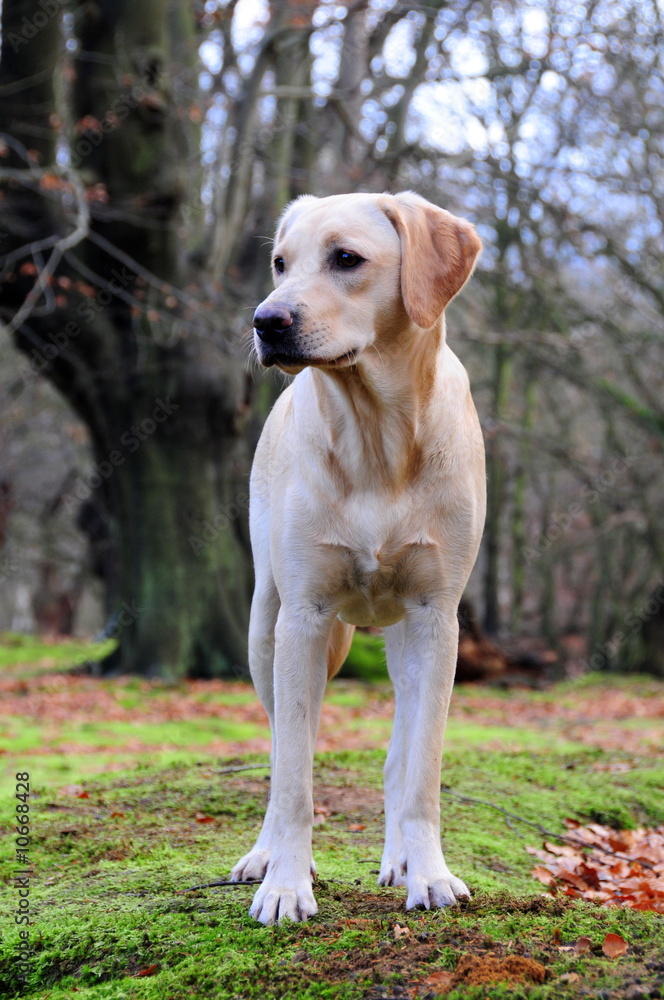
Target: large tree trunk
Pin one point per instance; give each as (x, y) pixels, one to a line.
(146, 366)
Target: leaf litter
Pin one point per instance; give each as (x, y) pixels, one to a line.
(620, 867)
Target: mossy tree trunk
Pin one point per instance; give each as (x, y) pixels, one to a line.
(141, 314)
(150, 374)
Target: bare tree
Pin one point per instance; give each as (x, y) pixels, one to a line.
(140, 184)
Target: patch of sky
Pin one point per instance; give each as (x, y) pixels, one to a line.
(398, 50)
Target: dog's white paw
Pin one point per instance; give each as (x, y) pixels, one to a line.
(434, 890)
(391, 873)
(274, 902)
(252, 866)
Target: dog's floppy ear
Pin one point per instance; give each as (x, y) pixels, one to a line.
(438, 254)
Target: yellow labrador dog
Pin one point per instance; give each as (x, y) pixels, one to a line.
(367, 507)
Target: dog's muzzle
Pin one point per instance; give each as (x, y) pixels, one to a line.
(276, 329)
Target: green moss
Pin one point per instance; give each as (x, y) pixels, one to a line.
(35, 656)
(366, 658)
(110, 898)
(112, 894)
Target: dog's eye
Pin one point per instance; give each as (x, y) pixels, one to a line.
(278, 263)
(344, 258)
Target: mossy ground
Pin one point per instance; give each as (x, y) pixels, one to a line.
(112, 898)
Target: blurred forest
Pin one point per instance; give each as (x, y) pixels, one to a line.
(145, 152)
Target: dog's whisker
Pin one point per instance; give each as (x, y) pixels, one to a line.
(377, 352)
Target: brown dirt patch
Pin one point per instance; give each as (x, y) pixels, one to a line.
(474, 970)
(330, 801)
(352, 801)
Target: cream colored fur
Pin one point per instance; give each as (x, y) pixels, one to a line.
(367, 507)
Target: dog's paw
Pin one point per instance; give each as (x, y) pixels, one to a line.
(274, 902)
(434, 891)
(391, 873)
(252, 866)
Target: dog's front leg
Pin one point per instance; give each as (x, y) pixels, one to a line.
(422, 670)
(300, 675)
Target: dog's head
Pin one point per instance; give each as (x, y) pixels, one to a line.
(352, 271)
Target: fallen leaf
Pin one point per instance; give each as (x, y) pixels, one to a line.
(582, 945)
(439, 980)
(543, 874)
(400, 931)
(614, 945)
(354, 827)
(82, 795)
(202, 818)
(150, 971)
(569, 977)
(635, 878)
(116, 814)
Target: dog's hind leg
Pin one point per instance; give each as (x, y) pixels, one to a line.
(394, 774)
(264, 612)
(338, 645)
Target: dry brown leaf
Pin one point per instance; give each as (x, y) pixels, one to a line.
(582, 945)
(439, 980)
(150, 971)
(202, 818)
(614, 946)
(400, 931)
(635, 880)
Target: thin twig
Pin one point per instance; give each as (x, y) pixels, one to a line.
(143, 272)
(547, 833)
(224, 881)
(245, 767)
(79, 233)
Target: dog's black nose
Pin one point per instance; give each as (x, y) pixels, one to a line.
(271, 320)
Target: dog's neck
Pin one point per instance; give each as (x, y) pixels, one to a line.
(382, 404)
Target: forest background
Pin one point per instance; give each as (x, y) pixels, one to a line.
(145, 153)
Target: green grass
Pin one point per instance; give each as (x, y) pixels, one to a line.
(111, 894)
(35, 656)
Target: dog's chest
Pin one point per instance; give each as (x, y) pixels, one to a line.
(378, 572)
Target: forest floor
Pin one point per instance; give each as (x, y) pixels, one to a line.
(135, 797)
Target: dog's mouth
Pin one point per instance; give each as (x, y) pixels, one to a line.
(297, 361)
